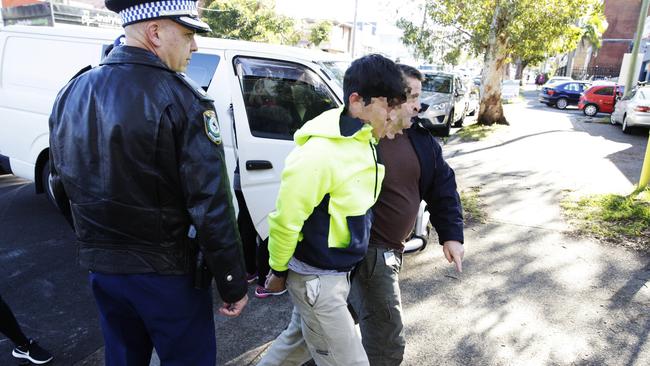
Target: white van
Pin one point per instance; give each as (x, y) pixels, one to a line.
(263, 94)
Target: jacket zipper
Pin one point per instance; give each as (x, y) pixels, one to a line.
(376, 168)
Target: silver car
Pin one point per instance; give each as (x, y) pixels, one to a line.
(633, 110)
(443, 101)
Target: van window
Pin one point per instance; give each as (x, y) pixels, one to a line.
(281, 96)
(202, 67)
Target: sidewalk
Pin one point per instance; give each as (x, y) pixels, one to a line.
(531, 293)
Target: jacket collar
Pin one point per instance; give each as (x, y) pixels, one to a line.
(349, 125)
(133, 55)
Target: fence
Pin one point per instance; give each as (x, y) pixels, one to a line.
(595, 72)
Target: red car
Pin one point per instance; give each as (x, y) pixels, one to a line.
(599, 98)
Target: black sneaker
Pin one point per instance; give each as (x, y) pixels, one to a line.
(32, 352)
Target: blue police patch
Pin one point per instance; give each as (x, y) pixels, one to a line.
(212, 126)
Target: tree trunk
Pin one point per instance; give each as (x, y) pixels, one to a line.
(491, 110)
(519, 75)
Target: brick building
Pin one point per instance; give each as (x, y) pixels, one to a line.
(622, 17)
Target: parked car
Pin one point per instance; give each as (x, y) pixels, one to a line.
(599, 98)
(557, 80)
(473, 101)
(633, 110)
(509, 89)
(443, 101)
(563, 94)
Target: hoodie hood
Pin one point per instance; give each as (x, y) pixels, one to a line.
(333, 124)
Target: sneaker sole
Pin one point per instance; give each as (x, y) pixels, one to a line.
(27, 357)
(268, 294)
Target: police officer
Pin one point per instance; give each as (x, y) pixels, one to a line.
(138, 163)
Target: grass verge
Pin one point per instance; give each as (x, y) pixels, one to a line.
(473, 208)
(475, 132)
(618, 219)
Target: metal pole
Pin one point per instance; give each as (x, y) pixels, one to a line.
(645, 170)
(635, 49)
(354, 26)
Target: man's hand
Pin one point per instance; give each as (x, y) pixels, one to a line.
(233, 309)
(275, 283)
(454, 252)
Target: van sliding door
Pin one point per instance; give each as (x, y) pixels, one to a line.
(275, 98)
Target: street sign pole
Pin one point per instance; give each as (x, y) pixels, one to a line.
(645, 170)
(635, 48)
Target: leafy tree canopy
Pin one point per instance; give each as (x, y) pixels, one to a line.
(249, 20)
(320, 33)
(531, 29)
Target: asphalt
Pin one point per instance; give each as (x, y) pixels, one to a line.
(532, 293)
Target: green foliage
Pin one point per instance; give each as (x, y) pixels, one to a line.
(621, 219)
(531, 29)
(249, 20)
(320, 33)
(475, 132)
(473, 208)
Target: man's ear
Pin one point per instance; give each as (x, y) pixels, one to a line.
(152, 30)
(354, 97)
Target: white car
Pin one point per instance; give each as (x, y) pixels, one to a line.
(633, 110)
(557, 79)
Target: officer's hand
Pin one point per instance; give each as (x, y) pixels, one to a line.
(454, 252)
(275, 283)
(233, 309)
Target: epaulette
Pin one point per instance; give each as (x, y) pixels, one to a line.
(87, 68)
(196, 89)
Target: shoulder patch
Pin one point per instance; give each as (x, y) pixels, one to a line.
(198, 90)
(212, 126)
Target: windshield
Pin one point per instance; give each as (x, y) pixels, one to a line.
(437, 83)
(335, 70)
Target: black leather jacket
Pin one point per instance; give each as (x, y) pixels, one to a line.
(138, 157)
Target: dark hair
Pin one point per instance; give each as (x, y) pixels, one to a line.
(411, 72)
(374, 76)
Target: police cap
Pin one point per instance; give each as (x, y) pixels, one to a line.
(183, 12)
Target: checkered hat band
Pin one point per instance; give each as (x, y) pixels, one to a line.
(158, 9)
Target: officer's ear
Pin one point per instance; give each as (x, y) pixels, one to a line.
(152, 30)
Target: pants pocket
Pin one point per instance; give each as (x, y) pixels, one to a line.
(312, 289)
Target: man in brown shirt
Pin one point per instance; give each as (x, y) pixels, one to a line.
(415, 171)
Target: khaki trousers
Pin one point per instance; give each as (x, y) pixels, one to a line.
(321, 326)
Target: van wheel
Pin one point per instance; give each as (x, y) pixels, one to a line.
(45, 182)
(590, 110)
(562, 103)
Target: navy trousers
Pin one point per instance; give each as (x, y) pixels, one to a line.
(142, 311)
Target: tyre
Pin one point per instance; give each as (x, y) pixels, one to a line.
(624, 127)
(590, 110)
(612, 120)
(45, 182)
(562, 103)
(459, 123)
